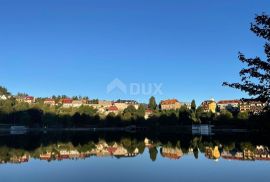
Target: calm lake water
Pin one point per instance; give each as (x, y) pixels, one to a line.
(133, 157)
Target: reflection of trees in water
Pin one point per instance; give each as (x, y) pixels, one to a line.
(74, 145)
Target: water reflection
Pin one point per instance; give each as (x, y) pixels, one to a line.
(77, 146)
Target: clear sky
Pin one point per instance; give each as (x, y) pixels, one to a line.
(77, 47)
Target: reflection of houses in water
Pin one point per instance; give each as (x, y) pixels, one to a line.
(19, 159)
(171, 153)
(102, 149)
(260, 153)
(212, 153)
(46, 156)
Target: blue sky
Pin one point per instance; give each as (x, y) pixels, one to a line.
(79, 47)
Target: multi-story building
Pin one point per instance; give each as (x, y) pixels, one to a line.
(252, 106)
(172, 104)
(230, 105)
(123, 104)
(187, 104)
(209, 106)
(171, 153)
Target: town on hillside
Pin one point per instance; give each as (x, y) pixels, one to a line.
(105, 107)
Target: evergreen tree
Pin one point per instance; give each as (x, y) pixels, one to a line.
(193, 105)
(4, 91)
(152, 103)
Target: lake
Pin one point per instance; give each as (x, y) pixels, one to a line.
(120, 156)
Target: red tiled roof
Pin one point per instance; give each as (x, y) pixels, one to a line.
(229, 102)
(67, 101)
(111, 150)
(29, 98)
(148, 111)
(112, 108)
(168, 102)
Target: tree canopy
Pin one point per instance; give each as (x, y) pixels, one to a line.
(255, 79)
(4, 91)
(152, 103)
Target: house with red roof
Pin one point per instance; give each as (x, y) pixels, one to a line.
(148, 113)
(230, 105)
(67, 102)
(171, 104)
(171, 153)
(27, 99)
(112, 109)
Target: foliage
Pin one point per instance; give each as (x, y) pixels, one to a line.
(153, 153)
(225, 116)
(152, 103)
(4, 91)
(256, 77)
(243, 116)
(193, 106)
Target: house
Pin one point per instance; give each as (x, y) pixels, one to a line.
(29, 99)
(212, 153)
(171, 153)
(112, 109)
(3, 97)
(123, 104)
(66, 103)
(148, 113)
(129, 102)
(187, 104)
(172, 104)
(209, 106)
(252, 106)
(230, 105)
(50, 102)
(77, 103)
(104, 103)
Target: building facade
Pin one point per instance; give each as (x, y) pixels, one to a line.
(230, 105)
(252, 106)
(50, 102)
(209, 106)
(172, 104)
